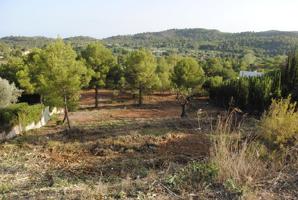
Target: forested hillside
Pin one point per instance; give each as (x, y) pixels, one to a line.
(25, 42)
(185, 41)
(268, 42)
(38, 42)
(251, 50)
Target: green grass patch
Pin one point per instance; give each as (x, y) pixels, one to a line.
(155, 131)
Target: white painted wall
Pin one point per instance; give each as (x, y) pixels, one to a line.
(17, 130)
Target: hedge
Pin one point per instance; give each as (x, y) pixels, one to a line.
(20, 113)
(250, 94)
(290, 76)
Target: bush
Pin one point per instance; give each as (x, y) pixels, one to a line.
(8, 93)
(279, 125)
(21, 113)
(192, 176)
(213, 82)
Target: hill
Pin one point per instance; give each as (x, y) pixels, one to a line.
(32, 42)
(26, 42)
(185, 41)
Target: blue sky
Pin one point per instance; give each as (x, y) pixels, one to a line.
(103, 18)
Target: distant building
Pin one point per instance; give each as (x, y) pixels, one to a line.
(250, 74)
(25, 52)
(158, 52)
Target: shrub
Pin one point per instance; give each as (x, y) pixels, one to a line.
(213, 82)
(5, 188)
(279, 125)
(8, 93)
(193, 175)
(21, 113)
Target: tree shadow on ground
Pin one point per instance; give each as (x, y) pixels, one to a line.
(119, 128)
(157, 105)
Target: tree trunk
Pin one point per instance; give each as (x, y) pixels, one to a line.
(66, 112)
(64, 118)
(96, 96)
(140, 96)
(183, 113)
(41, 99)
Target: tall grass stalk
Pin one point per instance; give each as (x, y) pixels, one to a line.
(235, 158)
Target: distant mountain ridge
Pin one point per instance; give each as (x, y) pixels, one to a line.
(270, 42)
(200, 33)
(40, 41)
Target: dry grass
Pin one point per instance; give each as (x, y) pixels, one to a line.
(239, 165)
(245, 165)
(236, 160)
(111, 156)
(117, 152)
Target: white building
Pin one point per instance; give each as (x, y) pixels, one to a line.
(250, 74)
(25, 52)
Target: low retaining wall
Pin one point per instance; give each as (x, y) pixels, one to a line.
(17, 130)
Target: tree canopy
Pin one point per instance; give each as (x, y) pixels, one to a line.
(100, 60)
(62, 76)
(187, 77)
(140, 71)
(187, 74)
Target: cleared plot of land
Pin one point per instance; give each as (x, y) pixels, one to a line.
(119, 150)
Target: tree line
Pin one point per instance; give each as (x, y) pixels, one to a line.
(58, 73)
(255, 94)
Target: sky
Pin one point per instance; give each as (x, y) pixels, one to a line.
(104, 18)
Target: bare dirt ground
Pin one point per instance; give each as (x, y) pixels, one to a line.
(119, 150)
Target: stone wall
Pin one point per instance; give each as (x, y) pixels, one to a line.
(17, 130)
